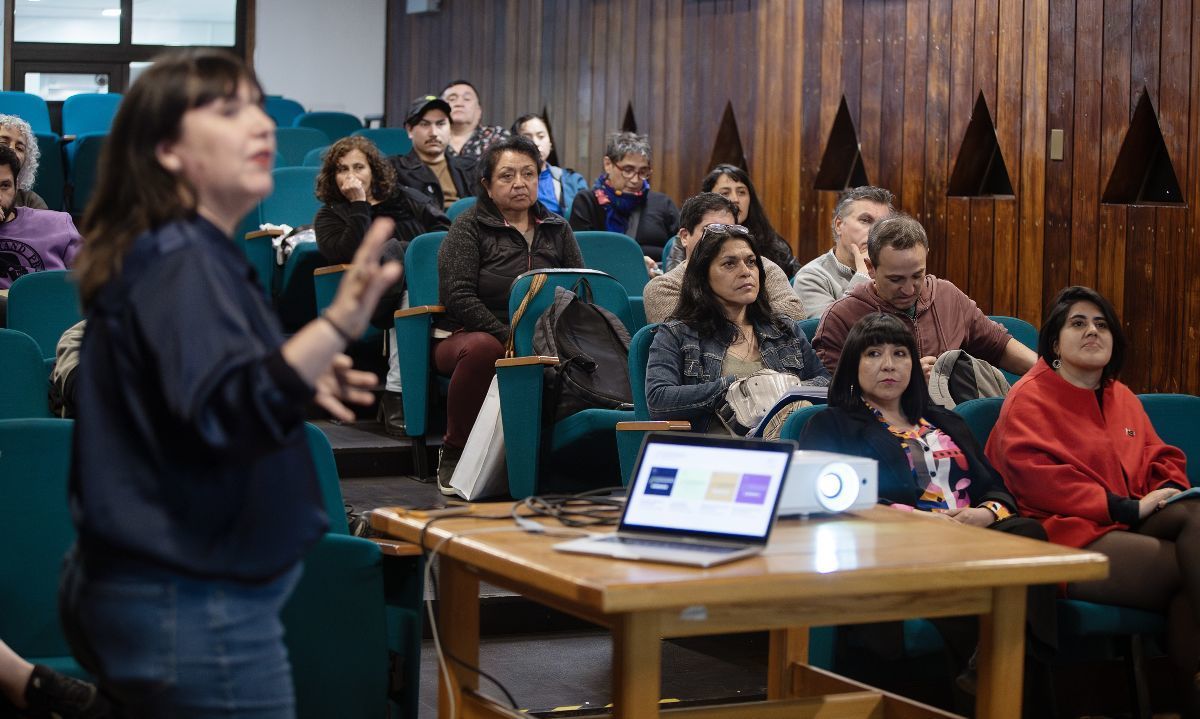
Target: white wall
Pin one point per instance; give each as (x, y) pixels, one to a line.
(326, 55)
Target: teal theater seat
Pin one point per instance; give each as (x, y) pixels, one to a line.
(89, 112)
(1022, 332)
(809, 327)
(1176, 419)
(24, 378)
(83, 162)
(391, 141)
(29, 107)
(35, 531)
(413, 327)
(315, 157)
(43, 305)
(456, 208)
(282, 110)
(292, 144)
(588, 437)
(620, 256)
(51, 181)
(335, 125)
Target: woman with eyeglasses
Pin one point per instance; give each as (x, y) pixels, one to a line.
(505, 233)
(722, 329)
(622, 201)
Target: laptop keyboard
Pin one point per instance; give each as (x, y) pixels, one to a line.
(666, 544)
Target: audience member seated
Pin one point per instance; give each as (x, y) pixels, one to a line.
(557, 187)
(469, 138)
(723, 329)
(832, 275)
(733, 183)
(1081, 456)
(621, 199)
(37, 690)
(939, 315)
(427, 168)
(357, 185)
(506, 233)
(18, 135)
(31, 240)
(661, 294)
(929, 461)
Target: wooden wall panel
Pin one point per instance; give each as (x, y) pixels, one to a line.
(910, 71)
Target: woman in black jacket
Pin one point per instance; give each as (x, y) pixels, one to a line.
(357, 185)
(929, 461)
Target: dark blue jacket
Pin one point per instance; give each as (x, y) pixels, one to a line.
(189, 447)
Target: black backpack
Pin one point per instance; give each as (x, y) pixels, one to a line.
(592, 347)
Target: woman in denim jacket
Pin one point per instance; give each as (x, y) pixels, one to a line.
(723, 329)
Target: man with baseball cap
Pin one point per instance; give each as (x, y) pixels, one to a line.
(427, 168)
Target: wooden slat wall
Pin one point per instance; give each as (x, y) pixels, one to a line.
(911, 71)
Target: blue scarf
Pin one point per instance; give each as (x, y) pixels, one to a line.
(618, 206)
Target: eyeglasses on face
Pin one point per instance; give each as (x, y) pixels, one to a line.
(629, 171)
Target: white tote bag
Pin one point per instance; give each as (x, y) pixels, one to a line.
(482, 471)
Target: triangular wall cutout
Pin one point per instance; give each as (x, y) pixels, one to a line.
(728, 147)
(629, 124)
(1143, 173)
(979, 170)
(841, 165)
(553, 158)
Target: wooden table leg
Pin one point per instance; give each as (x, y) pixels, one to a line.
(637, 667)
(788, 646)
(1002, 656)
(458, 629)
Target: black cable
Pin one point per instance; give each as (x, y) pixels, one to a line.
(428, 556)
(595, 508)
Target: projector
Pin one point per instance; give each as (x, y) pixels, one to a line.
(828, 483)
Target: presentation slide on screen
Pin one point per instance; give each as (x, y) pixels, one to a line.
(709, 489)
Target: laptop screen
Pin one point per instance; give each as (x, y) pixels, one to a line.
(701, 485)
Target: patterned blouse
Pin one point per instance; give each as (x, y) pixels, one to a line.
(480, 141)
(939, 467)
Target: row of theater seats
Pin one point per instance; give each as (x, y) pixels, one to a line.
(353, 625)
(67, 169)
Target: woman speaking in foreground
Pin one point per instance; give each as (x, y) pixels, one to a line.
(191, 487)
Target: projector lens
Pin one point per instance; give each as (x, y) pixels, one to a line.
(837, 487)
(830, 485)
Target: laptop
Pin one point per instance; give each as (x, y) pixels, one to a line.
(695, 499)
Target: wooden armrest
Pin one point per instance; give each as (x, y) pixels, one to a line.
(523, 361)
(263, 233)
(331, 269)
(422, 310)
(396, 548)
(665, 425)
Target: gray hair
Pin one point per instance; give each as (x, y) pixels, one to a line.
(900, 232)
(32, 152)
(621, 144)
(870, 193)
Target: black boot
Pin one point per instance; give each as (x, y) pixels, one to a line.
(49, 693)
(391, 413)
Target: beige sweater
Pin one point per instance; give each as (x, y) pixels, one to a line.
(662, 293)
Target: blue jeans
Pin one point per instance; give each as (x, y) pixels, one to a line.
(165, 645)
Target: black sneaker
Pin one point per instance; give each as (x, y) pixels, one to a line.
(50, 694)
(447, 460)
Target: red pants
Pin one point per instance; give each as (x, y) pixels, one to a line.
(470, 360)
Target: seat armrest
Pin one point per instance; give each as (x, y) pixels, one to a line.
(665, 425)
(527, 361)
(331, 269)
(258, 234)
(395, 547)
(417, 311)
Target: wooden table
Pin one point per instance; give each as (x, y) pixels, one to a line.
(876, 565)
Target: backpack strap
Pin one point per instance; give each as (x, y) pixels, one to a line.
(535, 285)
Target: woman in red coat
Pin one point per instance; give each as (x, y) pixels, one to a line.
(1080, 455)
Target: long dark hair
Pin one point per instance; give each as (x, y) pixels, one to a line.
(1056, 317)
(552, 158)
(756, 217)
(134, 192)
(699, 307)
(877, 329)
(383, 175)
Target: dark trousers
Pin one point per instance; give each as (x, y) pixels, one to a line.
(470, 360)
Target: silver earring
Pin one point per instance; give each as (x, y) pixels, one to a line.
(1056, 364)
